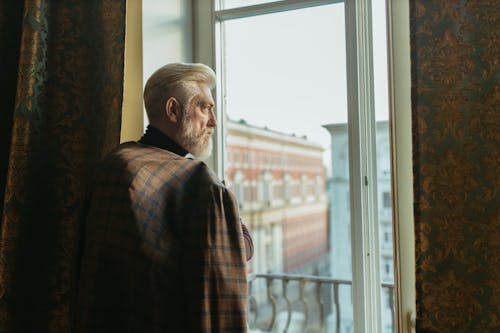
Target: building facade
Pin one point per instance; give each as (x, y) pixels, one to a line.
(279, 180)
(340, 220)
(298, 217)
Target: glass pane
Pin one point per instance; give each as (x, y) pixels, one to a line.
(228, 4)
(287, 156)
(383, 166)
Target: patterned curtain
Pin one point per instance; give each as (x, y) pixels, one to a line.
(60, 111)
(456, 134)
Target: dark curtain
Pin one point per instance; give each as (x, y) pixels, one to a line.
(60, 112)
(456, 140)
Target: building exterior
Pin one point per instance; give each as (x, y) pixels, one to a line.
(299, 219)
(340, 230)
(279, 180)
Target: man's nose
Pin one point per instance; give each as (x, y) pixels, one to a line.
(212, 122)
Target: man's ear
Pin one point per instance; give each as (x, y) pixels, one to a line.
(172, 109)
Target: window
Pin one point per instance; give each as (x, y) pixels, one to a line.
(287, 186)
(237, 158)
(179, 30)
(278, 190)
(319, 186)
(237, 185)
(246, 158)
(351, 125)
(387, 200)
(304, 186)
(265, 188)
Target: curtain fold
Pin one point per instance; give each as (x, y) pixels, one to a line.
(62, 113)
(456, 155)
(10, 38)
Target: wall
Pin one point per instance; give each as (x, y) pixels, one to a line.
(132, 115)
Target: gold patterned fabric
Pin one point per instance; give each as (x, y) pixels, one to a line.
(60, 113)
(456, 153)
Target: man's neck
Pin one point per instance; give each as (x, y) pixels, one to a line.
(155, 137)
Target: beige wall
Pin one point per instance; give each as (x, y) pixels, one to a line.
(132, 110)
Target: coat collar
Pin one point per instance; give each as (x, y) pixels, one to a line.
(155, 137)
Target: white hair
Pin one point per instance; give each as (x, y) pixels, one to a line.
(171, 80)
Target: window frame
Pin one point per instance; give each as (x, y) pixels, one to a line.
(207, 34)
(399, 67)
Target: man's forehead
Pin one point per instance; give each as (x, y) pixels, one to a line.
(204, 93)
(194, 91)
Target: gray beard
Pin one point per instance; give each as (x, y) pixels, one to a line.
(195, 144)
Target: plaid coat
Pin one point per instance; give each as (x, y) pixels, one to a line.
(164, 249)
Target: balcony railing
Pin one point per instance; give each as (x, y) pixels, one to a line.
(308, 299)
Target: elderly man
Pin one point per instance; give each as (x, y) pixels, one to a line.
(164, 247)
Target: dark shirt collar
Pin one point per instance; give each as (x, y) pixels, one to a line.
(155, 137)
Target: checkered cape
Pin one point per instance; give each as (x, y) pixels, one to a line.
(164, 249)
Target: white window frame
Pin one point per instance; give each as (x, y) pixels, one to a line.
(365, 244)
(362, 168)
(399, 66)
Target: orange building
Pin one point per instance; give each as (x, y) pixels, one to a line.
(279, 180)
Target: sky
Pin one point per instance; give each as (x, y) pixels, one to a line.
(287, 71)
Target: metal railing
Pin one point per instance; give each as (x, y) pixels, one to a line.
(310, 294)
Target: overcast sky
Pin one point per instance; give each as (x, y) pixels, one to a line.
(287, 71)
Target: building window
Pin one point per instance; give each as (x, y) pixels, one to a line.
(287, 186)
(246, 158)
(238, 186)
(266, 187)
(387, 200)
(237, 158)
(303, 186)
(247, 192)
(318, 186)
(278, 190)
